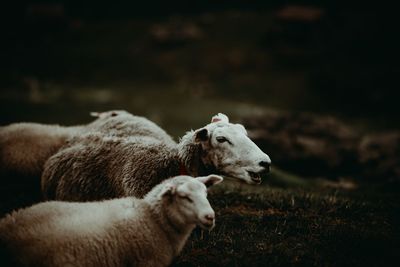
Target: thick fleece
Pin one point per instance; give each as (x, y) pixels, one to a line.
(98, 165)
(25, 147)
(120, 232)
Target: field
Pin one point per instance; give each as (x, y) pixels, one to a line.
(308, 225)
(270, 226)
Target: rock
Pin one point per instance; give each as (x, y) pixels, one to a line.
(306, 144)
(379, 156)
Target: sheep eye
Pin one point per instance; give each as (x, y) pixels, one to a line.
(187, 198)
(221, 139)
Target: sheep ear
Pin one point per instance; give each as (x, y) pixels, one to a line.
(95, 114)
(168, 190)
(210, 180)
(201, 135)
(220, 117)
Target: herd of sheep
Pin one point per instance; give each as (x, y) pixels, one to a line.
(120, 191)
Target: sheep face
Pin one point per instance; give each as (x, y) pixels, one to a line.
(227, 148)
(188, 200)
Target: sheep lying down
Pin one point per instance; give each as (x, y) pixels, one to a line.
(129, 155)
(120, 232)
(26, 146)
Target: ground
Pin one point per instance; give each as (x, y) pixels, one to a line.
(296, 224)
(269, 226)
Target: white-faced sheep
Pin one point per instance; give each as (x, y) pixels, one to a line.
(121, 232)
(97, 166)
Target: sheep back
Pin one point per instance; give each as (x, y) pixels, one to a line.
(124, 124)
(95, 166)
(25, 147)
(118, 232)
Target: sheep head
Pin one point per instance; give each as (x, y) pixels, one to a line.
(187, 200)
(227, 149)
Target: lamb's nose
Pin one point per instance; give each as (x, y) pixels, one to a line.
(266, 165)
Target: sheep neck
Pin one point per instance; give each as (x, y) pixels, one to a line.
(190, 156)
(182, 169)
(142, 235)
(175, 229)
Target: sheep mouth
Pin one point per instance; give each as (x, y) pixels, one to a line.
(255, 176)
(206, 226)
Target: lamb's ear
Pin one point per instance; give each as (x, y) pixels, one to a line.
(220, 117)
(168, 190)
(201, 135)
(210, 180)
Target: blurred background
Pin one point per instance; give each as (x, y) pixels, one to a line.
(315, 82)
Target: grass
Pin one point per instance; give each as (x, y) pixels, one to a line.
(269, 226)
(299, 223)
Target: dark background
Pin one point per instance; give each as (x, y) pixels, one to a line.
(61, 59)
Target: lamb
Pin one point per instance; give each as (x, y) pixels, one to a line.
(25, 147)
(120, 232)
(95, 166)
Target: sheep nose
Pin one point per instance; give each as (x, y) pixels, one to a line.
(209, 217)
(266, 165)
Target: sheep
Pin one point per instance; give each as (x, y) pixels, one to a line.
(25, 147)
(123, 124)
(95, 166)
(120, 232)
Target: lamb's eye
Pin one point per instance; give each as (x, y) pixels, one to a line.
(221, 139)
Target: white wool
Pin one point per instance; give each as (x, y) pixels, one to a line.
(25, 147)
(127, 231)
